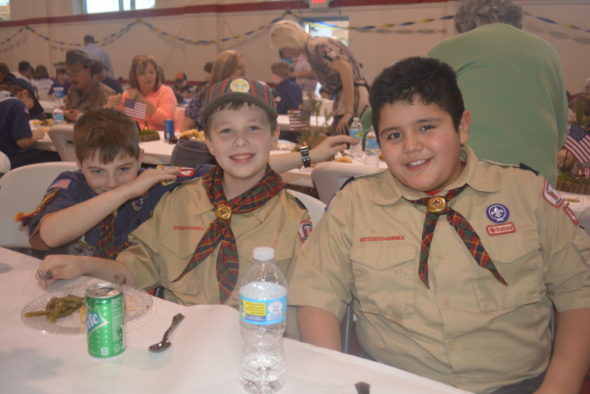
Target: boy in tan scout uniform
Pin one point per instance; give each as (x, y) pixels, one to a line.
(452, 265)
(202, 234)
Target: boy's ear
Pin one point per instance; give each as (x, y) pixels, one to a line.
(209, 145)
(275, 136)
(141, 156)
(464, 124)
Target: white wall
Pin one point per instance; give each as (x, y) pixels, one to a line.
(374, 50)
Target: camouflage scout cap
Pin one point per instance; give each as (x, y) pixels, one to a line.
(249, 90)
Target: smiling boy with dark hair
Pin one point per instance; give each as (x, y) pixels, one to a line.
(452, 265)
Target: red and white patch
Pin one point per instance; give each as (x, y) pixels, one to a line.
(499, 229)
(551, 195)
(568, 211)
(305, 228)
(61, 184)
(186, 172)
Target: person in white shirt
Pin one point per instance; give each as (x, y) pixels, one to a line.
(97, 53)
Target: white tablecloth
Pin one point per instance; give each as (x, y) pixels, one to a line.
(204, 357)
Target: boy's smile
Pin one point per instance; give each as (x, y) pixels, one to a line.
(421, 145)
(103, 177)
(241, 139)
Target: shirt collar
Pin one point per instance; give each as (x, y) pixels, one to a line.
(474, 174)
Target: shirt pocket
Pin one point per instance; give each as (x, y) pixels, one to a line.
(520, 262)
(385, 279)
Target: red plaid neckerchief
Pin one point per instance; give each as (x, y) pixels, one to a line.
(227, 266)
(105, 247)
(436, 206)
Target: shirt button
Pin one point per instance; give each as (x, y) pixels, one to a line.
(446, 302)
(452, 347)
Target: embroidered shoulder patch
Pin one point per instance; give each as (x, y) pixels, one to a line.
(551, 195)
(61, 184)
(305, 228)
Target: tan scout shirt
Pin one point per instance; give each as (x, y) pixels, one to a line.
(95, 98)
(467, 330)
(164, 244)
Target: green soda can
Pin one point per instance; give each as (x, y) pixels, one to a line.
(105, 320)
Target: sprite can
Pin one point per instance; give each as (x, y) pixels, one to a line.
(105, 320)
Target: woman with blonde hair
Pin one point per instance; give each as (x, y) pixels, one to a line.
(228, 64)
(146, 81)
(332, 63)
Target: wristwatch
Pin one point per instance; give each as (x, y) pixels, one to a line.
(305, 156)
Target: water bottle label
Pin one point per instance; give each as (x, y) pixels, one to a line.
(356, 133)
(263, 312)
(371, 143)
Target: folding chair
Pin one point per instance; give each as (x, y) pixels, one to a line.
(4, 163)
(21, 190)
(328, 177)
(63, 139)
(314, 206)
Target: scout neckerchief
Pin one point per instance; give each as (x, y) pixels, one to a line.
(436, 206)
(105, 247)
(220, 229)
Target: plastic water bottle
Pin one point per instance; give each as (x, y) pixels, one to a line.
(263, 314)
(58, 116)
(356, 131)
(371, 149)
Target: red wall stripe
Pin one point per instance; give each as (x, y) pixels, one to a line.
(205, 8)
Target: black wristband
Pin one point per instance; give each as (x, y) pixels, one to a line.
(305, 156)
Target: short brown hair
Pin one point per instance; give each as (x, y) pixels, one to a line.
(140, 62)
(281, 69)
(107, 132)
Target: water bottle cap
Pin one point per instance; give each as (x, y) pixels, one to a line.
(356, 119)
(263, 253)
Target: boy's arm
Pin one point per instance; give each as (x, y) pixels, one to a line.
(571, 354)
(66, 225)
(69, 267)
(319, 327)
(324, 151)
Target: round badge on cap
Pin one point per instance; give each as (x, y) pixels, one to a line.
(239, 85)
(498, 213)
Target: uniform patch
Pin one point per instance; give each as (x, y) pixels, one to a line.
(138, 203)
(568, 211)
(305, 228)
(499, 229)
(551, 195)
(186, 172)
(498, 213)
(197, 228)
(61, 184)
(388, 238)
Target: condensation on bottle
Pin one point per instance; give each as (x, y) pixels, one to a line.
(263, 319)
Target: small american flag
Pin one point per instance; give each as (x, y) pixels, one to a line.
(135, 109)
(578, 142)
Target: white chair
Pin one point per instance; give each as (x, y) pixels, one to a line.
(584, 219)
(63, 139)
(314, 206)
(328, 177)
(21, 190)
(4, 163)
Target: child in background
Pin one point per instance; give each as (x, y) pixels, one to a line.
(16, 98)
(287, 93)
(452, 265)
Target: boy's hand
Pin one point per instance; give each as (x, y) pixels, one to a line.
(330, 146)
(149, 178)
(72, 114)
(58, 267)
(114, 101)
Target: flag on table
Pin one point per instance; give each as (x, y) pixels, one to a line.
(578, 142)
(135, 109)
